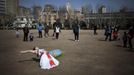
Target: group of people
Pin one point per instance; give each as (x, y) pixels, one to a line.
(111, 32)
(56, 27)
(48, 61)
(29, 36)
(40, 27)
(127, 37)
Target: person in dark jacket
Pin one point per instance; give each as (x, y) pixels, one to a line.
(108, 33)
(54, 29)
(130, 36)
(125, 39)
(46, 31)
(76, 29)
(26, 31)
(95, 28)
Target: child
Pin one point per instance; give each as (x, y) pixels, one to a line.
(47, 61)
(31, 37)
(125, 39)
(17, 33)
(115, 35)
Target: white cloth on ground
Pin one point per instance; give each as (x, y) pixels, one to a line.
(47, 61)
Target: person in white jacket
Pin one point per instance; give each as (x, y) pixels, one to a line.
(57, 32)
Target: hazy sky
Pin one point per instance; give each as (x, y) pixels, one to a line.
(112, 4)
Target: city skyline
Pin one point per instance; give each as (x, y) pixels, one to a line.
(112, 5)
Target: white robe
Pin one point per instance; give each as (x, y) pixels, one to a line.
(47, 61)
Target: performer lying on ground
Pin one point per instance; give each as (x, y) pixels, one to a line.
(47, 61)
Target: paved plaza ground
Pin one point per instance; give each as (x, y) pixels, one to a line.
(90, 56)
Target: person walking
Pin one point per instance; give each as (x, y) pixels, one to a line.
(46, 30)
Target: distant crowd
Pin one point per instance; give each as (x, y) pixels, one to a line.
(111, 32)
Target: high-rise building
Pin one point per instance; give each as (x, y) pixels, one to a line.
(2, 7)
(9, 7)
(102, 9)
(2, 12)
(8, 10)
(12, 7)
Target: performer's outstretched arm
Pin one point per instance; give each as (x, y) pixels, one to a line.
(28, 51)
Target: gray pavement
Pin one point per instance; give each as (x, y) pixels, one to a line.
(90, 56)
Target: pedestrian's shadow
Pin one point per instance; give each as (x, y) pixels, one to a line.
(71, 39)
(130, 50)
(105, 40)
(27, 60)
(119, 46)
(53, 38)
(126, 48)
(36, 59)
(39, 37)
(101, 40)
